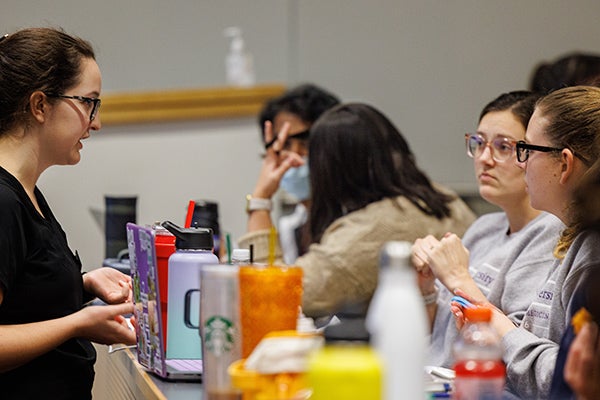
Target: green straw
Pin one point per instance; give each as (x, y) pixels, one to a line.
(228, 239)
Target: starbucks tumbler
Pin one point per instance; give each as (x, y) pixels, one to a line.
(219, 329)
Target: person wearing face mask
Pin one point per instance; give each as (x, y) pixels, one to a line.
(294, 111)
(366, 189)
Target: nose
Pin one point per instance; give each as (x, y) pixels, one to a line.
(96, 124)
(486, 154)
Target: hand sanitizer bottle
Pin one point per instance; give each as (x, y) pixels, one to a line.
(239, 64)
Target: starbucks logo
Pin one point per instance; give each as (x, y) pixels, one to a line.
(219, 335)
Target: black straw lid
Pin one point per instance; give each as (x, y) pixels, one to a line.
(190, 238)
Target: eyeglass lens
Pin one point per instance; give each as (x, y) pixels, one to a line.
(501, 148)
(95, 109)
(522, 154)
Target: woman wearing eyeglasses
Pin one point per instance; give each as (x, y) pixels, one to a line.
(501, 252)
(49, 88)
(556, 156)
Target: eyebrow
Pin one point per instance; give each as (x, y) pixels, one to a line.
(502, 135)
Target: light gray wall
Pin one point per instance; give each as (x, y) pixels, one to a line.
(430, 65)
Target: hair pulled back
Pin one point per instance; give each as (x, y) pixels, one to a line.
(32, 59)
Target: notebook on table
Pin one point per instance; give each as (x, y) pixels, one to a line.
(151, 350)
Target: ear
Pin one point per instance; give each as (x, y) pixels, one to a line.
(567, 159)
(39, 106)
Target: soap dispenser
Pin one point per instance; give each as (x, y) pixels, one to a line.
(239, 65)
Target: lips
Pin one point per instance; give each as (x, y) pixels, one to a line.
(485, 177)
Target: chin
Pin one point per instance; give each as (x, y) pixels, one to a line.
(74, 159)
(488, 194)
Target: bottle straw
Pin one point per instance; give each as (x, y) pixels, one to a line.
(251, 248)
(272, 238)
(190, 214)
(228, 240)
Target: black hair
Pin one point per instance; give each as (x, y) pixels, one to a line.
(357, 157)
(569, 70)
(307, 101)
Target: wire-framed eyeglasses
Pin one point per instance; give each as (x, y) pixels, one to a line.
(501, 148)
(93, 102)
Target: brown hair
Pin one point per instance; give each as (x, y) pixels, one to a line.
(573, 116)
(33, 59)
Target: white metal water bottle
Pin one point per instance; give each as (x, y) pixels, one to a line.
(397, 322)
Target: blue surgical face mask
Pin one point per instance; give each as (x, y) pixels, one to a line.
(296, 182)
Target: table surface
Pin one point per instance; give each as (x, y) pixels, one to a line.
(120, 376)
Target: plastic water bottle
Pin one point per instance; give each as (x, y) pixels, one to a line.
(397, 322)
(480, 371)
(240, 256)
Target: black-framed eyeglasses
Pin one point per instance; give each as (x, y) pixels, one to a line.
(94, 102)
(523, 150)
(501, 148)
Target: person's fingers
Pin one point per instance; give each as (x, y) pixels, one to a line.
(121, 309)
(268, 133)
(417, 262)
(282, 136)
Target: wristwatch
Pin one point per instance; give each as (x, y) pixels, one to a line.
(254, 204)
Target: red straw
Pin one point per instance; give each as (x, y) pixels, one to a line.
(190, 213)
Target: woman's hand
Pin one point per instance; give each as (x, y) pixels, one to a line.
(108, 284)
(500, 321)
(582, 368)
(106, 324)
(447, 259)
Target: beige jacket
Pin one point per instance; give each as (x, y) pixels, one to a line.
(343, 267)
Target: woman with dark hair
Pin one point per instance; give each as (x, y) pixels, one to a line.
(49, 99)
(501, 252)
(366, 190)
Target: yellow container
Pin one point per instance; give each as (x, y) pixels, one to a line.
(345, 371)
(255, 386)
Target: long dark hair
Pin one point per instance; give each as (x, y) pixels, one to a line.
(357, 157)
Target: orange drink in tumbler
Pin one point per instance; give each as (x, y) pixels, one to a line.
(270, 299)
